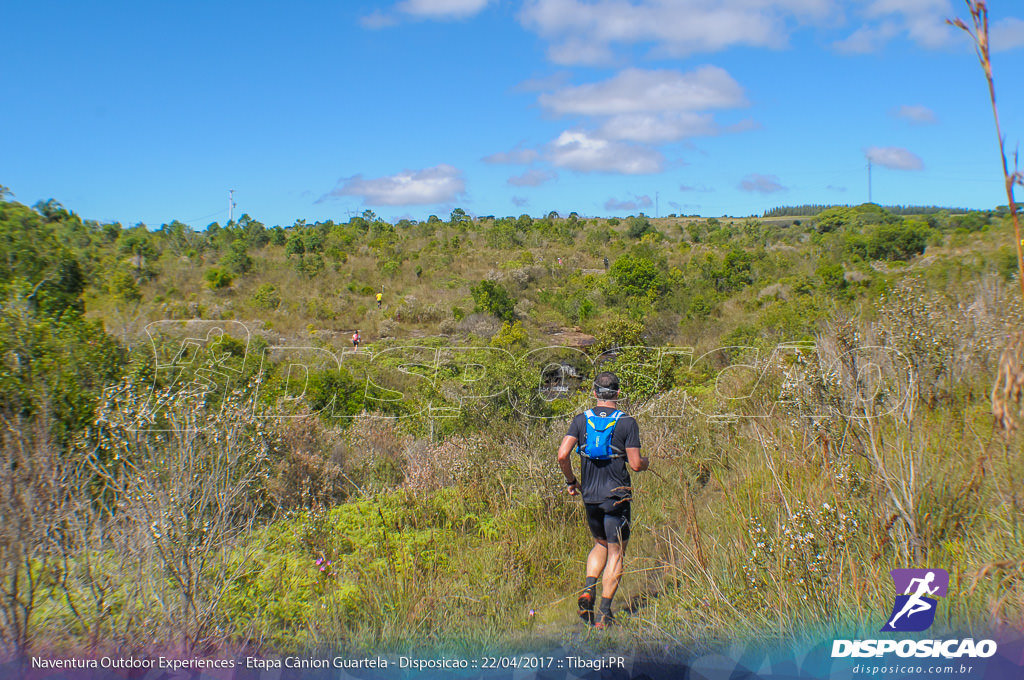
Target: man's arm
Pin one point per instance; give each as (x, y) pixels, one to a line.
(637, 463)
(565, 462)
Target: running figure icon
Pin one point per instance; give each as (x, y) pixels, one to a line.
(916, 600)
(916, 603)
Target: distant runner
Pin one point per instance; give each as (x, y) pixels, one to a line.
(356, 339)
(380, 296)
(608, 442)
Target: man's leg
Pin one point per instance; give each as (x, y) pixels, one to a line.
(597, 558)
(595, 566)
(613, 569)
(616, 528)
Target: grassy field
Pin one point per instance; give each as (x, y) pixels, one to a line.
(814, 394)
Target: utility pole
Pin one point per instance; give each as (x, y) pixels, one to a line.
(656, 211)
(231, 205)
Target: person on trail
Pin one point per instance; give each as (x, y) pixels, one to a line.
(380, 296)
(606, 263)
(608, 442)
(356, 339)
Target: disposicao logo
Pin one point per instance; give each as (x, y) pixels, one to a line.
(913, 612)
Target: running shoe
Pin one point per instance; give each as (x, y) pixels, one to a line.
(586, 607)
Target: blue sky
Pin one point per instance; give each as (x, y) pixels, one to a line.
(148, 112)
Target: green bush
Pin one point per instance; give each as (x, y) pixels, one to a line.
(897, 241)
(639, 227)
(493, 299)
(266, 297)
(637, 275)
(217, 278)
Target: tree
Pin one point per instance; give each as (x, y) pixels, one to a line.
(639, 226)
(637, 275)
(237, 261)
(295, 246)
(217, 278)
(458, 215)
(493, 299)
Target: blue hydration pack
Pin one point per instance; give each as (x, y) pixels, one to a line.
(598, 445)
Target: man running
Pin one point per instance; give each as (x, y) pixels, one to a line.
(606, 490)
(380, 296)
(356, 339)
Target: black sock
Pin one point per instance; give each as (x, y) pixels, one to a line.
(591, 585)
(606, 605)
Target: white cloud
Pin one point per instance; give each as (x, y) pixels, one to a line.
(1006, 34)
(921, 21)
(532, 178)
(441, 9)
(584, 31)
(867, 39)
(658, 128)
(894, 158)
(643, 91)
(580, 151)
(762, 184)
(918, 115)
(517, 156)
(440, 184)
(636, 203)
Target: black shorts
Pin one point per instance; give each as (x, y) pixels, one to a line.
(609, 521)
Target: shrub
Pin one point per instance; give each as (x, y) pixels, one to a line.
(237, 261)
(266, 297)
(493, 299)
(217, 278)
(637, 275)
(639, 227)
(898, 241)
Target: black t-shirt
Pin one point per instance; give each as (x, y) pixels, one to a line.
(603, 480)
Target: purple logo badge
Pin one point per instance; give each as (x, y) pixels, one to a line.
(916, 590)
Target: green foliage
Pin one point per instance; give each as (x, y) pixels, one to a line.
(266, 296)
(637, 275)
(335, 395)
(895, 241)
(122, 287)
(833, 277)
(295, 245)
(55, 368)
(512, 336)
(734, 273)
(237, 260)
(699, 307)
(619, 333)
(835, 219)
(36, 266)
(217, 278)
(639, 226)
(492, 298)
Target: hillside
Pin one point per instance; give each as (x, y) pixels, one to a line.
(228, 473)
